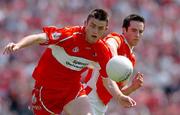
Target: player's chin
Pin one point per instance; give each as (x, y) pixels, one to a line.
(94, 39)
(134, 43)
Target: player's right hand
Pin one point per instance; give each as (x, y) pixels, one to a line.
(9, 48)
(126, 101)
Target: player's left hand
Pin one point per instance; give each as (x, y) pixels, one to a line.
(137, 81)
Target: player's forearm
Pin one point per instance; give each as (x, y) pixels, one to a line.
(128, 90)
(112, 87)
(31, 40)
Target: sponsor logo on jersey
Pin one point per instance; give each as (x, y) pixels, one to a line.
(77, 64)
(72, 62)
(56, 35)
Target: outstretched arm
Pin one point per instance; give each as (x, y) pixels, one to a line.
(114, 90)
(137, 82)
(25, 42)
(111, 85)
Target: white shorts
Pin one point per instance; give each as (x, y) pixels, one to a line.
(97, 105)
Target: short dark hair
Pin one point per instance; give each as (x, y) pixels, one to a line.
(98, 14)
(132, 17)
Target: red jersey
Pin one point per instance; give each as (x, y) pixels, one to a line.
(68, 53)
(123, 49)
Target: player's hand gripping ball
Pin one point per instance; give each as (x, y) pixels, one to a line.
(119, 68)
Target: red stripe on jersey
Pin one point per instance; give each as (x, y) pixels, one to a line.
(88, 76)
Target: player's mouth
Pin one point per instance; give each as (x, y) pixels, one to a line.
(94, 36)
(136, 40)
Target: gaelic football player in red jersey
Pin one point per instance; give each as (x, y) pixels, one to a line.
(57, 75)
(119, 44)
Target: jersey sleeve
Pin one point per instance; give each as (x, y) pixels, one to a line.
(103, 55)
(114, 36)
(56, 35)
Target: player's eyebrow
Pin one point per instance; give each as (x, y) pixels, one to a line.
(93, 24)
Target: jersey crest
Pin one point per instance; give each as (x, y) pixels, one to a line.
(75, 49)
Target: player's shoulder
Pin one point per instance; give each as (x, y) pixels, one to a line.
(54, 29)
(115, 34)
(111, 35)
(49, 28)
(101, 41)
(66, 28)
(74, 28)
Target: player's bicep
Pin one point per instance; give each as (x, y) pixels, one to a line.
(113, 46)
(42, 38)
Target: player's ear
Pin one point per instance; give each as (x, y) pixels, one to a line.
(124, 30)
(85, 22)
(107, 27)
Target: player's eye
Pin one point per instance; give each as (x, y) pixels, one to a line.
(140, 31)
(101, 28)
(134, 30)
(93, 25)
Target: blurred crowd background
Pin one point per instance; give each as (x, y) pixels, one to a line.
(158, 54)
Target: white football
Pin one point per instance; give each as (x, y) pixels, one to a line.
(119, 68)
